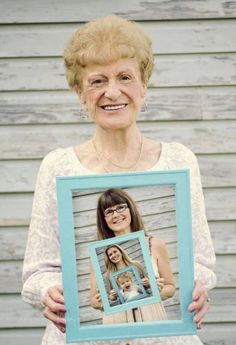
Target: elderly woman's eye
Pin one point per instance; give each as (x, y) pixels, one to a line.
(97, 82)
(125, 77)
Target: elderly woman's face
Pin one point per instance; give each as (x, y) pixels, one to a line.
(114, 93)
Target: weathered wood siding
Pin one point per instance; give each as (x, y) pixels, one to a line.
(192, 99)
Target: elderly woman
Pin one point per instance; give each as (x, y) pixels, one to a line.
(108, 64)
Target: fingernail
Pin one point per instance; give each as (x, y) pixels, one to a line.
(192, 308)
(62, 329)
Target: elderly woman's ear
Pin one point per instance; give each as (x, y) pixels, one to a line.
(144, 91)
(81, 96)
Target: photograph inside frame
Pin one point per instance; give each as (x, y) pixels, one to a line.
(122, 267)
(125, 283)
(99, 215)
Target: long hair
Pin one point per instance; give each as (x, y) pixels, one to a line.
(111, 267)
(110, 198)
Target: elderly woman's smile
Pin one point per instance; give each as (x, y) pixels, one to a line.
(113, 107)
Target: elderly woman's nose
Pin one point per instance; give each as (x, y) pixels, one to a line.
(113, 90)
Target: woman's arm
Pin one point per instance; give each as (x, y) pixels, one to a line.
(204, 256)
(180, 157)
(160, 254)
(42, 281)
(95, 297)
(42, 264)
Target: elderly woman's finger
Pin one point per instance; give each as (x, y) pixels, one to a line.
(52, 305)
(199, 296)
(55, 293)
(198, 291)
(58, 321)
(201, 313)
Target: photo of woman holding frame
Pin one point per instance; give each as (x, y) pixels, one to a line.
(117, 215)
(116, 258)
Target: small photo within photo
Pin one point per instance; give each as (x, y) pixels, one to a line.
(124, 272)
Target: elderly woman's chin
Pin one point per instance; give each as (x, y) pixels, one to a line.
(117, 120)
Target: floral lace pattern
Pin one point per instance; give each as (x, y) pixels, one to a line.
(42, 266)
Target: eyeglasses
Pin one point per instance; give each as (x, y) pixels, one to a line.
(119, 209)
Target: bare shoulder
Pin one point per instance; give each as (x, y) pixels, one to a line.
(157, 243)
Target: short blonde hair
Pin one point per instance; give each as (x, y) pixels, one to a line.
(106, 40)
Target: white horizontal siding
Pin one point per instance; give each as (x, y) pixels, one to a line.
(197, 37)
(71, 11)
(163, 104)
(169, 71)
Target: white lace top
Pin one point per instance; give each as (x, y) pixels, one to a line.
(42, 265)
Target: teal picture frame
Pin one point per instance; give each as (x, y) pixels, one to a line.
(66, 186)
(155, 296)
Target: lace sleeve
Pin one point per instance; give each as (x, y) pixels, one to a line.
(42, 266)
(204, 256)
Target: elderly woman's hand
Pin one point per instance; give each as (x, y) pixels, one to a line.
(200, 304)
(54, 307)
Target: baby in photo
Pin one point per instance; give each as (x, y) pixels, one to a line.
(128, 288)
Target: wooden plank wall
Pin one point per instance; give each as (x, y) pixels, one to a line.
(192, 99)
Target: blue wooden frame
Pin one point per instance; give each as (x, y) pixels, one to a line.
(155, 297)
(65, 187)
(134, 271)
